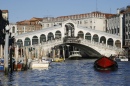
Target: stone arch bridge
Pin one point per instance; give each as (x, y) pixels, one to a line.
(92, 42)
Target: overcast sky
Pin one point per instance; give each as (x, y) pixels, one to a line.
(26, 9)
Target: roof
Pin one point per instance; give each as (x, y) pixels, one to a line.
(4, 11)
(34, 19)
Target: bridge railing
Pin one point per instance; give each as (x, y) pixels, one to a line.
(101, 45)
(71, 40)
(52, 42)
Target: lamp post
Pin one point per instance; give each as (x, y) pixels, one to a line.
(6, 50)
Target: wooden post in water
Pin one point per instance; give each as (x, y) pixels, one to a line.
(1, 51)
(6, 50)
(16, 57)
(10, 55)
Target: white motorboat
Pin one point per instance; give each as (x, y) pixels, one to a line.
(121, 58)
(34, 64)
(75, 55)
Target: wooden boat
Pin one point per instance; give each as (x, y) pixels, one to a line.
(18, 67)
(105, 63)
(75, 55)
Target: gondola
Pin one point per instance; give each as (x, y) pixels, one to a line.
(105, 64)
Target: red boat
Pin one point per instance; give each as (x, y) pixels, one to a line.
(105, 63)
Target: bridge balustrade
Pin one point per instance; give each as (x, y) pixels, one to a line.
(71, 40)
(100, 45)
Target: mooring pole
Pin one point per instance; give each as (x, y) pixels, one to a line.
(11, 63)
(6, 50)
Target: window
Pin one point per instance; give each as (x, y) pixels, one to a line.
(47, 25)
(80, 22)
(13, 29)
(94, 27)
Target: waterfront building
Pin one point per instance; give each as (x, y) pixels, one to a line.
(28, 25)
(13, 29)
(5, 14)
(127, 26)
(119, 24)
(115, 24)
(3, 23)
(94, 20)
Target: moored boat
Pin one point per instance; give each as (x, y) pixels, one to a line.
(1, 64)
(75, 55)
(121, 58)
(39, 64)
(105, 63)
(57, 59)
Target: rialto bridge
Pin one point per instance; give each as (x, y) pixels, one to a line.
(90, 42)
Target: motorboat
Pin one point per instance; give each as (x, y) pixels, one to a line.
(75, 55)
(47, 59)
(121, 58)
(34, 64)
(105, 64)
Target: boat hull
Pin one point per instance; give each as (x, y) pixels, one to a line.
(75, 58)
(57, 59)
(105, 63)
(35, 65)
(1, 68)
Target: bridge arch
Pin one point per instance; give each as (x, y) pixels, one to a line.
(34, 40)
(95, 38)
(58, 34)
(69, 30)
(88, 36)
(42, 38)
(27, 41)
(19, 42)
(118, 43)
(50, 36)
(103, 39)
(110, 41)
(81, 34)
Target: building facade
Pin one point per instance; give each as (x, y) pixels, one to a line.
(119, 24)
(28, 25)
(127, 26)
(115, 24)
(13, 29)
(5, 14)
(3, 22)
(95, 20)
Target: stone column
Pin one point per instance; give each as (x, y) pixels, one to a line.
(63, 53)
(58, 53)
(53, 53)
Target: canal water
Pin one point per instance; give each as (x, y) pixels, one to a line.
(69, 73)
